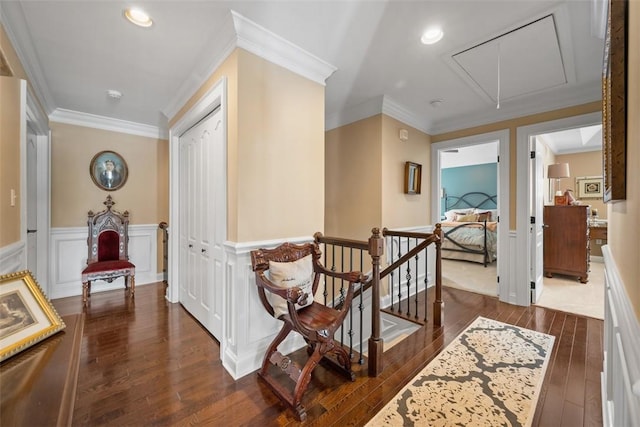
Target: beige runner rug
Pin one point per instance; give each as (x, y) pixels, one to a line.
(490, 375)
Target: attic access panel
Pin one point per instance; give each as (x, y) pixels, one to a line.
(529, 58)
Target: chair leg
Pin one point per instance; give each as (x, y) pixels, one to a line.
(132, 279)
(85, 291)
(286, 328)
(303, 381)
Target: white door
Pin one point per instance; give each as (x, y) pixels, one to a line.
(537, 229)
(202, 161)
(32, 203)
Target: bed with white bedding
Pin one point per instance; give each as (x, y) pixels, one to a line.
(470, 228)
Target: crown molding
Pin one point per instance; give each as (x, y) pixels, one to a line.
(377, 105)
(270, 46)
(240, 32)
(77, 118)
(14, 23)
(393, 109)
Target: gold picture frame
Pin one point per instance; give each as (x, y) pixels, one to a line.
(108, 170)
(614, 103)
(26, 315)
(412, 178)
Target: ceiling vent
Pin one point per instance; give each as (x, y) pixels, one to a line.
(519, 62)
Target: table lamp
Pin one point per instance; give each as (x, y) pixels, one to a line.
(557, 171)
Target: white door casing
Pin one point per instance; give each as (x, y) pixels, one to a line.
(32, 202)
(537, 228)
(504, 290)
(198, 206)
(524, 256)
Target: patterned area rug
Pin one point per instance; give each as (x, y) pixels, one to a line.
(490, 375)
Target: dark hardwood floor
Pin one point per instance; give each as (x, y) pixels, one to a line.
(149, 362)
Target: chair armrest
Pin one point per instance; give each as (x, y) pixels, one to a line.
(349, 276)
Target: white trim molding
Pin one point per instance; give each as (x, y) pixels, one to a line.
(69, 257)
(239, 32)
(78, 118)
(621, 376)
(523, 194)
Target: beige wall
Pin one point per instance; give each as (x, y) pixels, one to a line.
(583, 164)
(398, 209)
(10, 55)
(353, 177)
(10, 100)
(275, 149)
(73, 192)
(624, 231)
(512, 125)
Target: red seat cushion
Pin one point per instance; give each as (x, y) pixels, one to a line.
(100, 266)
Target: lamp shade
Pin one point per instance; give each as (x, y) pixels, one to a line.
(558, 170)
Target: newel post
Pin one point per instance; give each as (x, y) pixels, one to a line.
(376, 249)
(438, 305)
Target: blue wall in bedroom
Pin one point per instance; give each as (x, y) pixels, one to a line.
(464, 179)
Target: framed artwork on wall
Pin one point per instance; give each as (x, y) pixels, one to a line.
(614, 103)
(108, 170)
(26, 315)
(590, 187)
(412, 178)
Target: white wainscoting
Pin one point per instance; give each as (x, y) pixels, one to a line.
(13, 258)
(621, 375)
(249, 329)
(68, 257)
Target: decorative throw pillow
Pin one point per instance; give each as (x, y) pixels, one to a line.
(467, 218)
(483, 216)
(288, 275)
(451, 215)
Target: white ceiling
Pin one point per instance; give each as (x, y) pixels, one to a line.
(74, 51)
(576, 140)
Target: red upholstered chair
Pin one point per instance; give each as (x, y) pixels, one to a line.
(108, 245)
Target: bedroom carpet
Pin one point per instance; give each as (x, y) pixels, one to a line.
(491, 374)
(470, 276)
(559, 293)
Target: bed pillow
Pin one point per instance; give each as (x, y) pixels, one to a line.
(467, 218)
(493, 212)
(452, 214)
(288, 275)
(483, 216)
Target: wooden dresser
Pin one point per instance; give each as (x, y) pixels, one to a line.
(566, 241)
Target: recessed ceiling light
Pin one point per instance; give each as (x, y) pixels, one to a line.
(138, 17)
(432, 35)
(435, 103)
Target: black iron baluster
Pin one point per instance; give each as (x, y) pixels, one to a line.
(408, 277)
(417, 257)
(399, 279)
(426, 280)
(361, 308)
(391, 279)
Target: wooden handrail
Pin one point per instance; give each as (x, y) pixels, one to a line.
(375, 247)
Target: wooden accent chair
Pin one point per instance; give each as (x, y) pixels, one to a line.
(108, 245)
(287, 278)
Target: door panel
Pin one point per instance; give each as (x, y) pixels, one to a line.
(201, 287)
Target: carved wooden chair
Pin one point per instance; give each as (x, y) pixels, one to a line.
(108, 245)
(287, 278)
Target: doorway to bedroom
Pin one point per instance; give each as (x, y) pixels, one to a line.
(470, 188)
